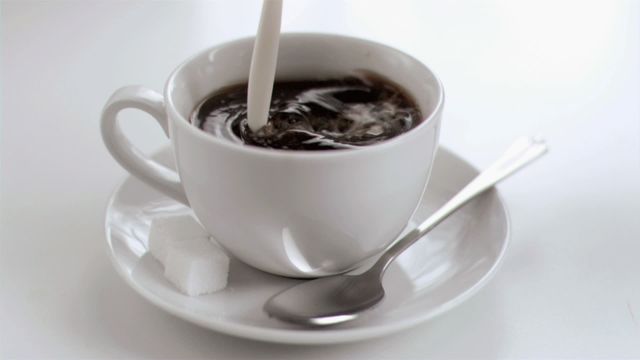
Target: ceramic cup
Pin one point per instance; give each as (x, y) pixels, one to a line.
(291, 213)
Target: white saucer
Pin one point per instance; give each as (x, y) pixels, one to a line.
(441, 271)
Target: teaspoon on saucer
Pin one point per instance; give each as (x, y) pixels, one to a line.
(341, 298)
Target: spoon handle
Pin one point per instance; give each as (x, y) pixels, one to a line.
(523, 151)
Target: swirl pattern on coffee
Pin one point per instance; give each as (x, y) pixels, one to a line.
(313, 114)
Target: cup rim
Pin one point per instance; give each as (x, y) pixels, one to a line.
(307, 154)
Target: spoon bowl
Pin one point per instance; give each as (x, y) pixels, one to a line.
(327, 301)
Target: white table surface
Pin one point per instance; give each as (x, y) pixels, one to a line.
(569, 70)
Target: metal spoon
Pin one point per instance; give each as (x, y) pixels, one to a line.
(337, 299)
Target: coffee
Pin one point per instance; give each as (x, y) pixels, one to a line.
(313, 114)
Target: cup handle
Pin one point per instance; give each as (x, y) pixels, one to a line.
(133, 160)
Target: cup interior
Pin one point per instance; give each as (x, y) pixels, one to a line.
(301, 57)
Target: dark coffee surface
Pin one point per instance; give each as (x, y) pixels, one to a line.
(313, 115)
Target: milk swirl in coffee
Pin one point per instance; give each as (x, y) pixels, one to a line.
(313, 114)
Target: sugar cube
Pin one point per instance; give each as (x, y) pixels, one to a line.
(196, 266)
(169, 229)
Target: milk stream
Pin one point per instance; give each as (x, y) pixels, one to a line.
(263, 64)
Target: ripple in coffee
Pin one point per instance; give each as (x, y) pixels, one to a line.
(313, 114)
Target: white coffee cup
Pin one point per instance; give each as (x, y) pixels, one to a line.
(291, 213)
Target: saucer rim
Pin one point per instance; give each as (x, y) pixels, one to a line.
(306, 336)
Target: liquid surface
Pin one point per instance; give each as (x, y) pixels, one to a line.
(313, 115)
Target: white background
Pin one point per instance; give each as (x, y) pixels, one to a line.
(569, 70)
